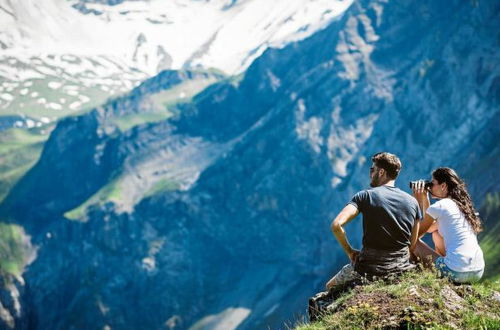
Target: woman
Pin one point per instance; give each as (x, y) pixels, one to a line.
(454, 225)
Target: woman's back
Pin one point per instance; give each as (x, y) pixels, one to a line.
(463, 252)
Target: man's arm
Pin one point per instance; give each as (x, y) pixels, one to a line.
(346, 215)
(414, 235)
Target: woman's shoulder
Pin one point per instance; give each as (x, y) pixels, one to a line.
(447, 204)
(444, 204)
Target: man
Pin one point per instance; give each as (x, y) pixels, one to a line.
(390, 225)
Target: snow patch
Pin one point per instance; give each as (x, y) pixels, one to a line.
(54, 85)
(75, 105)
(6, 97)
(30, 123)
(83, 98)
(55, 106)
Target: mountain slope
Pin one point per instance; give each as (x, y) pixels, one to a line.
(280, 151)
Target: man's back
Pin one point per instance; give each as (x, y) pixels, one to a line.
(389, 215)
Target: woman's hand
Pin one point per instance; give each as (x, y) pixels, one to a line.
(420, 192)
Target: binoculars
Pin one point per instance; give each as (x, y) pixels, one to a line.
(427, 184)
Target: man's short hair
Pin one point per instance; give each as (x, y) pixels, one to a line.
(389, 162)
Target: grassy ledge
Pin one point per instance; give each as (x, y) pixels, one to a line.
(16, 251)
(110, 192)
(19, 150)
(418, 300)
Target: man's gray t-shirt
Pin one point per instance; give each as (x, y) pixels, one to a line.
(388, 217)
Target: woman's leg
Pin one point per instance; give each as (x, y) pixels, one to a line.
(439, 243)
(425, 254)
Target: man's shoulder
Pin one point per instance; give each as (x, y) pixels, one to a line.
(408, 197)
(395, 191)
(363, 192)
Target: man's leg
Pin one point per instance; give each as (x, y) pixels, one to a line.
(346, 274)
(335, 286)
(424, 253)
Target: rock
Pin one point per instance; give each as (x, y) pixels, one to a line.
(413, 291)
(451, 299)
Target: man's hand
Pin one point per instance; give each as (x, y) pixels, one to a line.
(353, 255)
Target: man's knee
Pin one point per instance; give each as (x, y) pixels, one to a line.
(346, 274)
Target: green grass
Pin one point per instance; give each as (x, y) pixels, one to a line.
(491, 250)
(113, 192)
(19, 151)
(488, 239)
(110, 192)
(125, 123)
(14, 250)
(491, 205)
(15, 138)
(415, 301)
(188, 89)
(162, 185)
(162, 102)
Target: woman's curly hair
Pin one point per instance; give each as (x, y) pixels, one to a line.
(457, 191)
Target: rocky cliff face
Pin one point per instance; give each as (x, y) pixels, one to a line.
(218, 214)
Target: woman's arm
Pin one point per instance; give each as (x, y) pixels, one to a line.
(433, 227)
(422, 196)
(428, 225)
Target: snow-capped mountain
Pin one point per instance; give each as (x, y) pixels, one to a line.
(61, 56)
